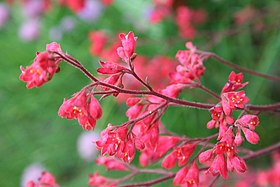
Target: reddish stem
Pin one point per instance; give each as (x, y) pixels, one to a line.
(247, 157)
(237, 67)
(169, 99)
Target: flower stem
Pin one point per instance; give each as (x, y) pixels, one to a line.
(237, 67)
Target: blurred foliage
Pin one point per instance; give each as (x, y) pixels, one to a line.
(32, 132)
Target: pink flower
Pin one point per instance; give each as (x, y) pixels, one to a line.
(115, 141)
(249, 120)
(128, 45)
(31, 173)
(132, 101)
(180, 176)
(46, 179)
(251, 136)
(180, 154)
(173, 90)
(95, 109)
(191, 68)
(187, 178)
(234, 82)
(45, 65)
(146, 135)
(234, 100)
(111, 163)
(75, 5)
(247, 124)
(96, 180)
(219, 166)
(225, 158)
(98, 39)
(164, 144)
(184, 22)
(87, 111)
(134, 111)
(110, 68)
(239, 164)
(205, 156)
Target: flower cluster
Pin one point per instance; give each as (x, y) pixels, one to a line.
(225, 151)
(144, 131)
(82, 106)
(45, 65)
(191, 67)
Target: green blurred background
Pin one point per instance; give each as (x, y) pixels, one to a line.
(31, 131)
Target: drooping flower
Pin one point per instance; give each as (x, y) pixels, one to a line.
(191, 67)
(225, 158)
(180, 154)
(96, 180)
(87, 111)
(187, 177)
(234, 100)
(115, 141)
(111, 163)
(247, 124)
(164, 144)
(45, 65)
(110, 68)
